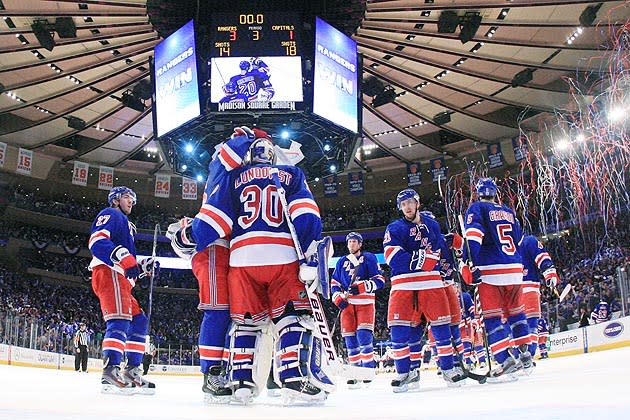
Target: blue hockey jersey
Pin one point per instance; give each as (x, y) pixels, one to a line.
(346, 274)
(401, 239)
(468, 311)
(110, 229)
(494, 236)
(601, 313)
(245, 205)
(536, 259)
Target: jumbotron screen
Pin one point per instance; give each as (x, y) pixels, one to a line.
(335, 90)
(256, 83)
(176, 83)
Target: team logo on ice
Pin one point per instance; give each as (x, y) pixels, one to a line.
(613, 329)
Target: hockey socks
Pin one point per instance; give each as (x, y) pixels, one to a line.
(498, 339)
(136, 336)
(352, 347)
(365, 338)
(212, 333)
(400, 347)
(533, 335)
(442, 335)
(114, 341)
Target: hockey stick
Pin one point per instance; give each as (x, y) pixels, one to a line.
(156, 232)
(565, 292)
(319, 316)
(460, 219)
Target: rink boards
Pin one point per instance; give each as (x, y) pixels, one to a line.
(605, 336)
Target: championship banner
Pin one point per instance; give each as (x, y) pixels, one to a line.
(24, 162)
(80, 173)
(495, 156)
(105, 178)
(438, 169)
(330, 186)
(414, 176)
(162, 186)
(3, 153)
(519, 144)
(355, 183)
(189, 189)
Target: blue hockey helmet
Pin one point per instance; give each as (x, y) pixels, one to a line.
(244, 65)
(486, 187)
(261, 151)
(354, 235)
(406, 194)
(117, 192)
(229, 88)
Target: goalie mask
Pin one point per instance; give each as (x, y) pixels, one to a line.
(261, 152)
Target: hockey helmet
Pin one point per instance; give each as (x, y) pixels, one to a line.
(261, 152)
(354, 235)
(486, 187)
(406, 194)
(244, 65)
(117, 192)
(229, 88)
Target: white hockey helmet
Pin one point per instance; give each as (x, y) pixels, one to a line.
(261, 152)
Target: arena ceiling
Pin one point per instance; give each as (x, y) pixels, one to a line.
(443, 96)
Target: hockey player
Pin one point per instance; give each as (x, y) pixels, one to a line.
(536, 260)
(413, 246)
(115, 271)
(543, 335)
(601, 313)
(250, 83)
(352, 290)
(265, 278)
(210, 265)
(231, 94)
(494, 236)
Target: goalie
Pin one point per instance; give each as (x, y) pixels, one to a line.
(266, 280)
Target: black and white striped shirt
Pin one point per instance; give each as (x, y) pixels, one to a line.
(81, 338)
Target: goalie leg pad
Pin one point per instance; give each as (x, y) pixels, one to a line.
(300, 354)
(249, 357)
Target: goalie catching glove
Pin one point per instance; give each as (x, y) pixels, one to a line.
(182, 241)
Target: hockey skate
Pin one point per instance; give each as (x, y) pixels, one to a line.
(273, 390)
(526, 360)
(214, 387)
(454, 377)
(302, 392)
(353, 384)
(133, 374)
(113, 382)
(244, 394)
(406, 381)
(505, 372)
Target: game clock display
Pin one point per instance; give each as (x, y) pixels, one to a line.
(255, 34)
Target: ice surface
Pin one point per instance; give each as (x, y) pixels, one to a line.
(592, 386)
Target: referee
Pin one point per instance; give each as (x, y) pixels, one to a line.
(81, 339)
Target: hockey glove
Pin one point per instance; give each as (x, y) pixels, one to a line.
(121, 256)
(340, 301)
(308, 271)
(551, 277)
(147, 265)
(423, 260)
(182, 241)
(455, 242)
(243, 131)
(470, 275)
(363, 286)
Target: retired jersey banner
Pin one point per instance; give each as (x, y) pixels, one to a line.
(519, 144)
(414, 176)
(80, 173)
(24, 162)
(438, 170)
(355, 183)
(162, 186)
(330, 186)
(3, 153)
(495, 156)
(105, 178)
(189, 189)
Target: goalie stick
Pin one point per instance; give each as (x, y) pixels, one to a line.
(333, 361)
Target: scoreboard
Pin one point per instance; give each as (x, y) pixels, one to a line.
(255, 34)
(256, 62)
